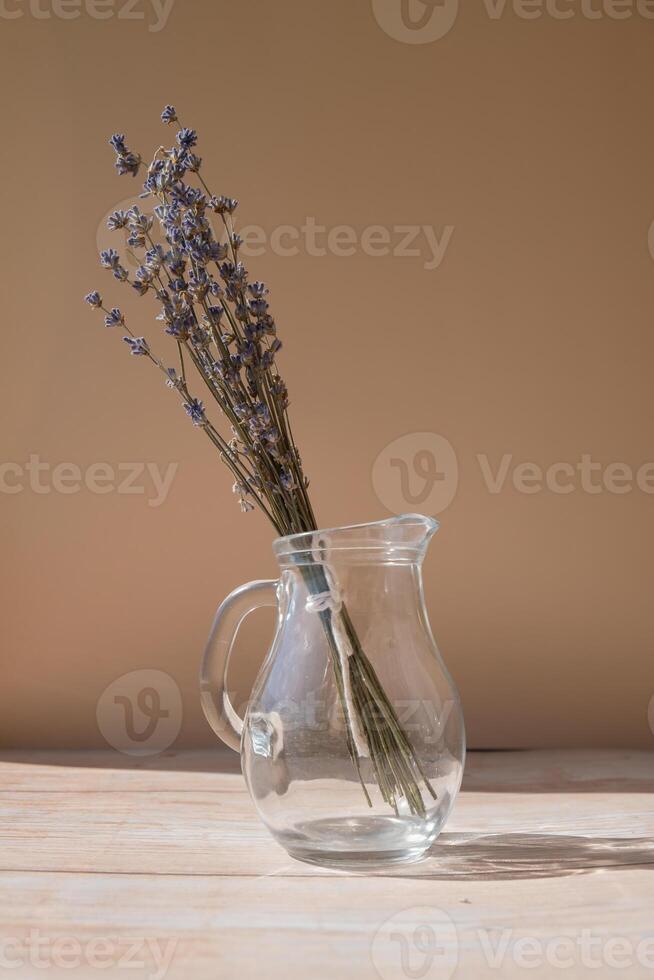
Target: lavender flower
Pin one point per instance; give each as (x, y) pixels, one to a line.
(172, 380)
(93, 299)
(126, 162)
(154, 258)
(145, 274)
(136, 239)
(187, 138)
(138, 346)
(116, 220)
(137, 221)
(114, 318)
(258, 307)
(219, 321)
(288, 480)
(195, 411)
(223, 205)
(109, 258)
(117, 141)
(193, 162)
(242, 492)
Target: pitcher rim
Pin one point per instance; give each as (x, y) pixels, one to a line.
(322, 538)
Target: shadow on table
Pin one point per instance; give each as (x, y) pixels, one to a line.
(472, 855)
(514, 856)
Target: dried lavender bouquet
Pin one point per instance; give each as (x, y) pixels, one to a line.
(225, 336)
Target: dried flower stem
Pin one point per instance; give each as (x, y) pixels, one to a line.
(221, 325)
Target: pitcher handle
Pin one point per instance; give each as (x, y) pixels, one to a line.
(218, 709)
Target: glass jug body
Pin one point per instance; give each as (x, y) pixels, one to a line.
(353, 743)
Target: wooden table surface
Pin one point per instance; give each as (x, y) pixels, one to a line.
(112, 866)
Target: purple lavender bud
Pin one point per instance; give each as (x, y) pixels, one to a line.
(173, 380)
(258, 307)
(117, 141)
(223, 205)
(116, 220)
(109, 258)
(193, 162)
(138, 221)
(128, 163)
(287, 480)
(114, 318)
(169, 114)
(195, 411)
(216, 312)
(218, 251)
(187, 138)
(138, 346)
(93, 299)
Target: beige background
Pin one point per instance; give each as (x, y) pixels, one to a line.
(533, 139)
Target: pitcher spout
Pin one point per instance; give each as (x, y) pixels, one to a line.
(413, 529)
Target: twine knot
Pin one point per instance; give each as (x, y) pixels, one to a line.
(331, 598)
(322, 601)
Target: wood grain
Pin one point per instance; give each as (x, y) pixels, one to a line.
(553, 848)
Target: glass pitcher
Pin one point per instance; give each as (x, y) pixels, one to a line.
(352, 745)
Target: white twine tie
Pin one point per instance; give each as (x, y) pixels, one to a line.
(332, 600)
